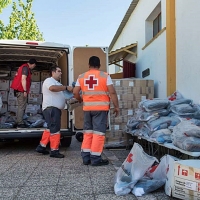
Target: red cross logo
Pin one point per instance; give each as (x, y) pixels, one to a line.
(129, 159)
(91, 82)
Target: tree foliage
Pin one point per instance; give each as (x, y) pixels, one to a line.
(22, 24)
(4, 3)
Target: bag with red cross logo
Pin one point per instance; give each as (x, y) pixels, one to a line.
(132, 170)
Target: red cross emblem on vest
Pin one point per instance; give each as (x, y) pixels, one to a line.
(90, 82)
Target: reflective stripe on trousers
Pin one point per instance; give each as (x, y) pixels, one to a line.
(93, 142)
(54, 140)
(95, 123)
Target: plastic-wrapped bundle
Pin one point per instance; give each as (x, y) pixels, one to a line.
(38, 123)
(147, 185)
(6, 125)
(34, 118)
(162, 123)
(195, 121)
(155, 104)
(183, 109)
(161, 136)
(180, 101)
(132, 123)
(186, 136)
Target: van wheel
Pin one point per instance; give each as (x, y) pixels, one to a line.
(79, 136)
(66, 141)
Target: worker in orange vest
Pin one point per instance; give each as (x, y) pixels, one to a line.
(97, 89)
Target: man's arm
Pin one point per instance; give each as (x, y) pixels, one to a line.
(58, 88)
(23, 80)
(113, 96)
(76, 93)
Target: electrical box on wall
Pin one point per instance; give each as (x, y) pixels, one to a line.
(146, 73)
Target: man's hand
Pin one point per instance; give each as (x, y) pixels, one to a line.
(25, 94)
(69, 88)
(116, 112)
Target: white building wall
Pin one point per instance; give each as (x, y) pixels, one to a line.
(154, 55)
(188, 48)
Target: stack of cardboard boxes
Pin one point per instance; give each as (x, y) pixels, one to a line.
(130, 92)
(34, 97)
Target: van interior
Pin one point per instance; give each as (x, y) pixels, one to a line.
(11, 57)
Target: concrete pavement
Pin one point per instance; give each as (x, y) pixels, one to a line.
(27, 175)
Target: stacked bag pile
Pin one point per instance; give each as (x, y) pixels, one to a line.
(174, 119)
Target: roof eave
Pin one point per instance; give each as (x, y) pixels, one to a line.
(123, 22)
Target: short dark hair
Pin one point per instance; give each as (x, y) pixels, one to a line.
(32, 61)
(53, 69)
(94, 61)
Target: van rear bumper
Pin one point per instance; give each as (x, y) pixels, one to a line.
(28, 133)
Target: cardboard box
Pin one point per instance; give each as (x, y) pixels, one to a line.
(115, 139)
(12, 108)
(186, 179)
(170, 174)
(35, 87)
(4, 96)
(183, 178)
(11, 95)
(35, 98)
(44, 75)
(4, 108)
(35, 76)
(12, 102)
(4, 84)
(33, 109)
(12, 74)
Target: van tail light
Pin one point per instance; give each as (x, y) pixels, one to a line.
(32, 43)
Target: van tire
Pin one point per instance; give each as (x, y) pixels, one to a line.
(66, 141)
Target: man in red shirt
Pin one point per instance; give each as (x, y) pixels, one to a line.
(21, 85)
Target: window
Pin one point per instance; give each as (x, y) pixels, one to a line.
(157, 25)
(153, 24)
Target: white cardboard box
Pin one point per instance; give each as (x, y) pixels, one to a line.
(4, 84)
(183, 178)
(4, 108)
(170, 174)
(35, 98)
(187, 179)
(4, 95)
(35, 87)
(12, 108)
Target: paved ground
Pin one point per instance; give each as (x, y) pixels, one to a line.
(25, 174)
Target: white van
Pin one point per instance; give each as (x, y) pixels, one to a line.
(13, 53)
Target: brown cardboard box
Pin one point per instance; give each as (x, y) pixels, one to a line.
(44, 75)
(35, 77)
(12, 74)
(115, 139)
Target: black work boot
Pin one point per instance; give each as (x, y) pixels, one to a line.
(41, 149)
(56, 154)
(101, 162)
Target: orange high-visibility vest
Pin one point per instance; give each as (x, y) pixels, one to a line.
(94, 90)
